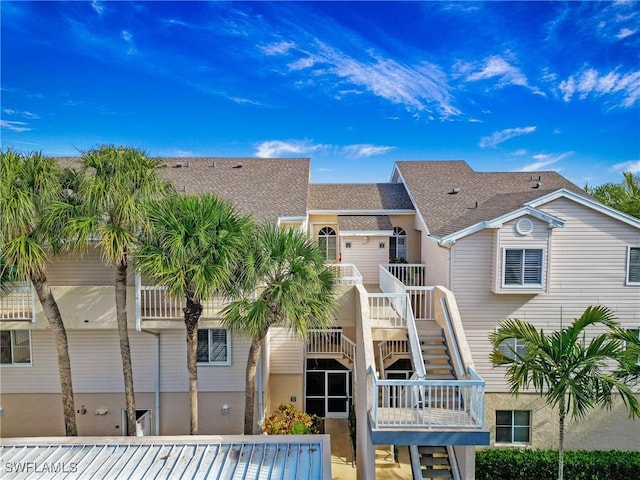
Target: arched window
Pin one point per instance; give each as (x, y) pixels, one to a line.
(398, 245)
(327, 242)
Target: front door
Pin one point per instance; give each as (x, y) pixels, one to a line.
(328, 393)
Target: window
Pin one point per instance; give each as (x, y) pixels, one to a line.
(327, 242)
(398, 244)
(214, 347)
(512, 347)
(15, 347)
(522, 266)
(633, 266)
(513, 426)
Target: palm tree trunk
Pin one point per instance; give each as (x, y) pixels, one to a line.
(192, 313)
(250, 386)
(52, 312)
(561, 446)
(125, 350)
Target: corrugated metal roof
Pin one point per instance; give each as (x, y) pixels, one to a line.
(293, 457)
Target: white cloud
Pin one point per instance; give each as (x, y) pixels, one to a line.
(20, 113)
(497, 67)
(625, 32)
(519, 152)
(277, 148)
(475, 120)
(632, 166)
(97, 6)
(128, 38)
(279, 48)
(366, 150)
(14, 126)
(503, 135)
(417, 87)
(543, 160)
(590, 82)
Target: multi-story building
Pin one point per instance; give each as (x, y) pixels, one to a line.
(428, 264)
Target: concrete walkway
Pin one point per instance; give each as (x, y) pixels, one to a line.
(342, 456)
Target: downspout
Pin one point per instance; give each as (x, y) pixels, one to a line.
(259, 382)
(157, 382)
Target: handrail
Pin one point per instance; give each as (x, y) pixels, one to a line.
(453, 462)
(414, 344)
(414, 458)
(427, 403)
(330, 340)
(452, 335)
(346, 273)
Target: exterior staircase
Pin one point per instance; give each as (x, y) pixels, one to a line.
(435, 354)
(434, 463)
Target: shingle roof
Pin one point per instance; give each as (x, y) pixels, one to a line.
(358, 196)
(432, 183)
(265, 188)
(367, 223)
(250, 457)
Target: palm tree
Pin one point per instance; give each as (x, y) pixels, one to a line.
(8, 276)
(28, 185)
(191, 247)
(114, 188)
(623, 196)
(572, 376)
(285, 283)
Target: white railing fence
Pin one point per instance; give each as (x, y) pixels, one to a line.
(388, 310)
(346, 273)
(428, 403)
(410, 274)
(330, 341)
(157, 304)
(18, 303)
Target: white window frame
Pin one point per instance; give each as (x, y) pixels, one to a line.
(324, 233)
(524, 286)
(13, 363)
(512, 347)
(512, 425)
(227, 361)
(628, 270)
(399, 234)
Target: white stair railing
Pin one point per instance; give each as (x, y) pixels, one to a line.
(330, 341)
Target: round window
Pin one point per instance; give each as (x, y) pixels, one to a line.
(524, 226)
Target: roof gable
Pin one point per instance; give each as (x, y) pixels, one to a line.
(451, 197)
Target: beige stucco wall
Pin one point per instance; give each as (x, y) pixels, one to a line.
(282, 388)
(31, 415)
(600, 430)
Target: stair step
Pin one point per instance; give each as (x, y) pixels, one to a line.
(424, 449)
(437, 366)
(436, 473)
(428, 460)
(440, 376)
(436, 356)
(431, 338)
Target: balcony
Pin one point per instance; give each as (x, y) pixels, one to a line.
(422, 410)
(18, 304)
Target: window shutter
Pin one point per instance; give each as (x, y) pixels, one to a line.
(513, 267)
(634, 265)
(532, 266)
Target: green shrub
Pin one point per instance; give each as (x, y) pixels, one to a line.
(287, 420)
(526, 464)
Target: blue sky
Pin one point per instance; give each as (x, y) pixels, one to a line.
(355, 86)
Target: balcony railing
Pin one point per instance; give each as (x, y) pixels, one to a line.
(392, 280)
(346, 273)
(431, 404)
(157, 304)
(19, 303)
(330, 341)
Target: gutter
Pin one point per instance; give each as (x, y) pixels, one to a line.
(157, 382)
